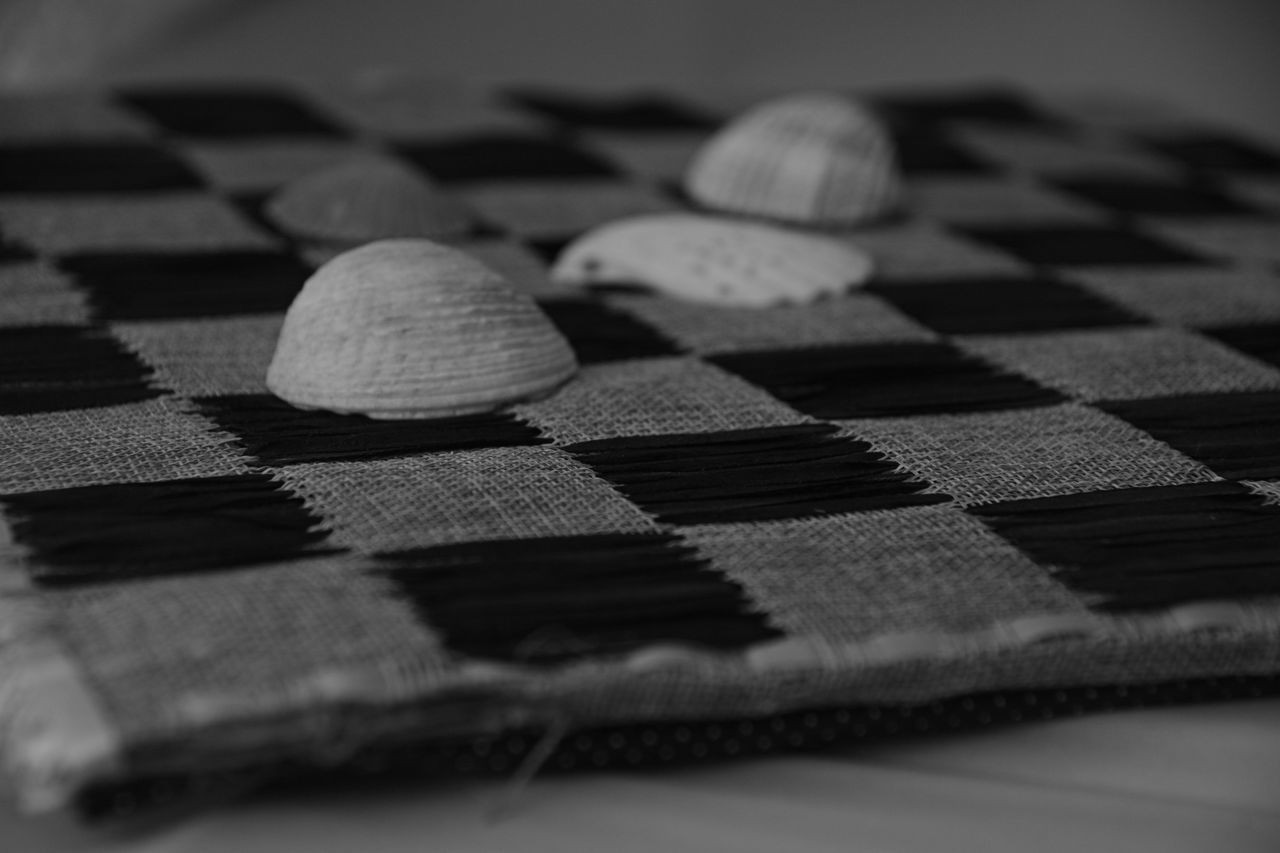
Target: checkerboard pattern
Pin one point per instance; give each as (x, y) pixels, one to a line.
(1059, 396)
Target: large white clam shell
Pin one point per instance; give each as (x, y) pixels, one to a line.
(366, 199)
(817, 159)
(414, 329)
(705, 259)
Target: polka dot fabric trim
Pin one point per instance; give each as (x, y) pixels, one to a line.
(658, 746)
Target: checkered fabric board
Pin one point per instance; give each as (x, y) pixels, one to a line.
(1040, 448)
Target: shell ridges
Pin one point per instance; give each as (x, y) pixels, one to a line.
(414, 329)
(818, 159)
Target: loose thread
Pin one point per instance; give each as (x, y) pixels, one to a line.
(504, 801)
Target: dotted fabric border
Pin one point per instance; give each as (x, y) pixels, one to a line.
(651, 746)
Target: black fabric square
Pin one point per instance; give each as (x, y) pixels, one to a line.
(640, 112)
(149, 286)
(105, 167)
(752, 474)
(548, 250)
(1234, 434)
(1212, 151)
(673, 189)
(59, 368)
(600, 333)
(930, 151)
(980, 105)
(253, 205)
(12, 252)
(1150, 548)
(885, 380)
(1082, 245)
(1261, 341)
(1000, 304)
(499, 157)
(276, 433)
(100, 534)
(230, 113)
(542, 601)
(1147, 197)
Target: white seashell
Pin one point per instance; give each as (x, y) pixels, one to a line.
(706, 259)
(414, 329)
(366, 199)
(817, 159)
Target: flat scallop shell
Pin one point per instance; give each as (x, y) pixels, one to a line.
(366, 199)
(414, 329)
(817, 159)
(705, 259)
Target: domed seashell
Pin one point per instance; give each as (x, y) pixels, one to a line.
(817, 159)
(706, 259)
(366, 199)
(413, 329)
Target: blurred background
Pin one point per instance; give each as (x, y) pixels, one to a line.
(1216, 58)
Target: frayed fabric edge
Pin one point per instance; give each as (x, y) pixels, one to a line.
(54, 734)
(55, 737)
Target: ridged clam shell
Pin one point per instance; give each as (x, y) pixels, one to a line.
(815, 158)
(414, 329)
(707, 259)
(366, 199)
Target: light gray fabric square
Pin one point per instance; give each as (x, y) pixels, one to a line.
(254, 641)
(653, 397)
(35, 117)
(855, 576)
(855, 318)
(1249, 242)
(921, 250)
(171, 222)
(436, 498)
(1111, 364)
(1190, 296)
(1030, 453)
(140, 442)
(202, 357)
(264, 165)
(34, 294)
(1269, 489)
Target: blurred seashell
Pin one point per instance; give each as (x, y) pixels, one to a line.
(706, 259)
(817, 159)
(366, 199)
(414, 329)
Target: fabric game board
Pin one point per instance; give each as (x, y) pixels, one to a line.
(1040, 450)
